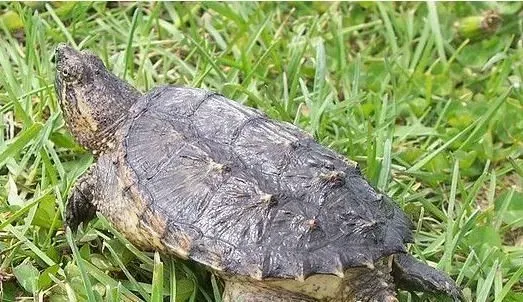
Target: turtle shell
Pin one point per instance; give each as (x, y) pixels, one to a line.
(248, 195)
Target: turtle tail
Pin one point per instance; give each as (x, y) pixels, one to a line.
(412, 275)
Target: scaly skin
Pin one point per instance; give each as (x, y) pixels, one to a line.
(93, 100)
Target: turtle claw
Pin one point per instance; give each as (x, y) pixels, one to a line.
(79, 208)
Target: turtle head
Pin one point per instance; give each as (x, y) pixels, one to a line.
(94, 101)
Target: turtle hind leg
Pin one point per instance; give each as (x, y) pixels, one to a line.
(80, 207)
(372, 284)
(412, 275)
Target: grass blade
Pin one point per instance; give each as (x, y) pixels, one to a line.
(21, 141)
(129, 52)
(157, 283)
(509, 284)
(433, 154)
(391, 36)
(436, 30)
(80, 262)
(484, 119)
(215, 289)
(127, 273)
(486, 287)
(450, 242)
(103, 278)
(385, 166)
(172, 278)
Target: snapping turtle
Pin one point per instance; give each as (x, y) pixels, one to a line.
(191, 173)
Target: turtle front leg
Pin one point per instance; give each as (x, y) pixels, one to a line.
(80, 207)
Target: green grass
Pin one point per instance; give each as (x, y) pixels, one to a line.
(424, 98)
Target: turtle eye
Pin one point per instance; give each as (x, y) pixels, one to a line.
(70, 74)
(67, 75)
